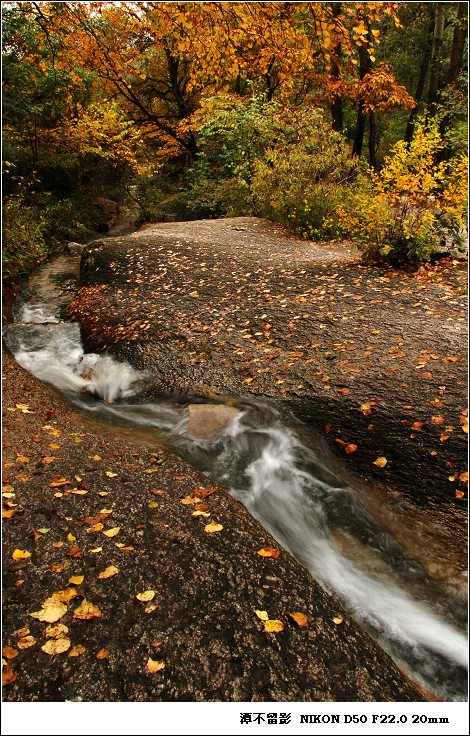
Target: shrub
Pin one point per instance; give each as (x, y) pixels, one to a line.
(258, 157)
(413, 206)
(23, 236)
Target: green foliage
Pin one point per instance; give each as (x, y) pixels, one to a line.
(413, 206)
(258, 157)
(23, 244)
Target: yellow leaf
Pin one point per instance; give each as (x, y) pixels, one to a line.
(146, 596)
(65, 596)
(112, 532)
(22, 459)
(189, 500)
(110, 474)
(21, 554)
(213, 527)
(337, 620)
(76, 579)
(273, 625)
(86, 610)
(77, 650)
(57, 631)
(263, 615)
(26, 641)
(71, 538)
(381, 462)
(299, 618)
(95, 550)
(52, 610)
(200, 513)
(154, 665)
(56, 646)
(109, 572)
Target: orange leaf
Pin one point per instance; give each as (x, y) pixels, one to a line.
(300, 619)
(381, 462)
(268, 552)
(8, 676)
(9, 652)
(350, 448)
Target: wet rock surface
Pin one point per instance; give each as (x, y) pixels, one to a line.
(207, 585)
(373, 359)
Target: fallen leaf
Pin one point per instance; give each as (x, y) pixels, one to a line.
(151, 608)
(464, 477)
(9, 652)
(110, 474)
(94, 457)
(65, 596)
(154, 665)
(112, 532)
(56, 646)
(189, 500)
(459, 494)
(22, 632)
(350, 448)
(8, 676)
(444, 437)
(21, 554)
(71, 538)
(268, 552)
(213, 527)
(77, 650)
(439, 419)
(146, 596)
(58, 482)
(299, 618)
(22, 459)
(86, 610)
(57, 631)
(102, 654)
(337, 620)
(74, 551)
(200, 513)
(417, 425)
(108, 573)
(76, 579)
(204, 492)
(381, 462)
(52, 610)
(48, 459)
(95, 550)
(262, 615)
(273, 625)
(26, 641)
(153, 505)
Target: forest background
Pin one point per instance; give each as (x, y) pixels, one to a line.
(339, 120)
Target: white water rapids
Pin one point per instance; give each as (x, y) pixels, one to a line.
(338, 530)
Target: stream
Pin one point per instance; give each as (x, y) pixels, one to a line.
(362, 544)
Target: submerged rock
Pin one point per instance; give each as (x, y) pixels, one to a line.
(210, 421)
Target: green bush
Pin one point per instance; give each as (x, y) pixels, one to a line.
(260, 158)
(23, 236)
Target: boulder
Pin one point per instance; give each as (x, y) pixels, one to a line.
(209, 421)
(109, 212)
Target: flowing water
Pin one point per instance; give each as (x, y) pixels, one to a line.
(363, 544)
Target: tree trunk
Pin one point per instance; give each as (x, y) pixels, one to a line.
(372, 140)
(458, 44)
(436, 55)
(337, 104)
(422, 75)
(365, 65)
